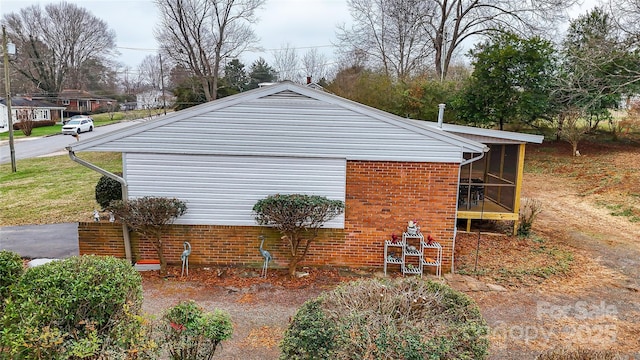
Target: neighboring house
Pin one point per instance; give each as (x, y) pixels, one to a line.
(128, 106)
(222, 156)
(80, 101)
(28, 108)
(153, 99)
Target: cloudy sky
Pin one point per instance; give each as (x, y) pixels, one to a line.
(300, 23)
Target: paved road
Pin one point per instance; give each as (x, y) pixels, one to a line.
(45, 241)
(57, 241)
(33, 147)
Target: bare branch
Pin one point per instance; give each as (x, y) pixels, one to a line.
(286, 63)
(57, 44)
(398, 36)
(200, 34)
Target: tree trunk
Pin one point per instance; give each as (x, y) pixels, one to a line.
(294, 243)
(205, 87)
(163, 262)
(293, 265)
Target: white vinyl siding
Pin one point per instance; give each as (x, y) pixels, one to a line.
(221, 190)
(295, 126)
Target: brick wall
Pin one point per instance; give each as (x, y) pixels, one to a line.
(381, 198)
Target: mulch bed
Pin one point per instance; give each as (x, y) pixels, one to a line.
(244, 277)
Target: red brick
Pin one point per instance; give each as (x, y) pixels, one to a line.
(381, 198)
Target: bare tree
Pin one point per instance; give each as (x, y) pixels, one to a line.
(571, 130)
(390, 33)
(55, 44)
(130, 81)
(287, 63)
(149, 72)
(400, 34)
(454, 22)
(200, 34)
(626, 13)
(314, 65)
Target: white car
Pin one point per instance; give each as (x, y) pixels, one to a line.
(78, 125)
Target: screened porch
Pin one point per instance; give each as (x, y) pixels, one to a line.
(490, 187)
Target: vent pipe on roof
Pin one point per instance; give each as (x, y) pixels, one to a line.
(308, 80)
(440, 114)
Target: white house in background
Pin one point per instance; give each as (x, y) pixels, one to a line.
(25, 107)
(152, 99)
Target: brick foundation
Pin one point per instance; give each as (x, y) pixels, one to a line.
(381, 198)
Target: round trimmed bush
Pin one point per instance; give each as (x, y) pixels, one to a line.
(11, 268)
(81, 307)
(391, 319)
(192, 334)
(107, 190)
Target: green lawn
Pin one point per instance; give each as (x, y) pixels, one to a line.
(52, 189)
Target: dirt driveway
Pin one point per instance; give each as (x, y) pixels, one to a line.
(596, 306)
(594, 302)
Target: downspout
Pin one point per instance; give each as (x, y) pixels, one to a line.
(125, 195)
(455, 227)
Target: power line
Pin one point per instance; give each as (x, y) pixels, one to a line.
(137, 49)
(294, 48)
(254, 51)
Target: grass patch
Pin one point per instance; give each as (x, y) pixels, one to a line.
(36, 132)
(558, 262)
(98, 120)
(628, 212)
(620, 210)
(513, 261)
(52, 189)
(606, 173)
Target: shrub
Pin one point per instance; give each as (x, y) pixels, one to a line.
(33, 124)
(107, 190)
(391, 319)
(11, 269)
(82, 307)
(192, 334)
(578, 354)
(150, 216)
(529, 211)
(310, 330)
(297, 217)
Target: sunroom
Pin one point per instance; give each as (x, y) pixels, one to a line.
(490, 185)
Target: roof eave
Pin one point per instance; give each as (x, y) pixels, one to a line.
(500, 134)
(467, 144)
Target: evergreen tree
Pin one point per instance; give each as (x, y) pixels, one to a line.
(261, 72)
(235, 77)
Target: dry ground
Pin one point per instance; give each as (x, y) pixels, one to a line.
(574, 282)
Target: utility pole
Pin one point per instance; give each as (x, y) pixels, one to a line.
(7, 88)
(164, 99)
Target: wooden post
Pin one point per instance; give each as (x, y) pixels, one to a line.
(7, 88)
(519, 176)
